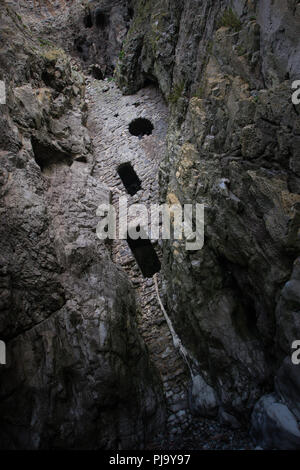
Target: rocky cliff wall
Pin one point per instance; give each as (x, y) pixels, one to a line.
(78, 374)
(226, 70)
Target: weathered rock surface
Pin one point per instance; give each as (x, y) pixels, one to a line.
(274, 426)
(203, 398)
(288, 385)
(78, 374)
(92, 31)
(226, 69)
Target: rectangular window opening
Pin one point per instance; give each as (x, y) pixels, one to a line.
(145, 256)
(129, 178)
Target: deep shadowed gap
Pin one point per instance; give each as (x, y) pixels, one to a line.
(101, 19)
(129, 178)
(88, 20)
(145, 256)
(130, 12)
(140, 127)
(82, 45)
(150, 80)
(96, 72)
(46, 156)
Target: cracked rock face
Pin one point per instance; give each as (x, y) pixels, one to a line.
(77, 373)
(68, 315)
(93, 31)
(226, 69)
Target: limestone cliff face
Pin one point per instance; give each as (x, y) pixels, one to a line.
(226, 69)
(91, 30)
(77, 373)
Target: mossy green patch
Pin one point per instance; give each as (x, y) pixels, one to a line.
(53, 54)
(230, 20)
(176, 93)
(200, 92)
(44, 42)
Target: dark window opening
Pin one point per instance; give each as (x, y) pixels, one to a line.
(129, 178)
(130, 13)
(88, 20)
(140, 127)
(145, 256)
(46, 156)
(101, 19)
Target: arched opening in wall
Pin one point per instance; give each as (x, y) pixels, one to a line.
(129, 178)
(47, 156)
(140, 127)
(88, 20)
(145, 256)
(101, 19)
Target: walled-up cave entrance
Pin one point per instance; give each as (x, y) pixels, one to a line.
(129, 178)
(140, 127)
(145, 256)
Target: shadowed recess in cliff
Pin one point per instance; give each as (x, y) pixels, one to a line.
(130, 12)
(140, 127)
(102, 19)
(88, 20)
(129, 178)
(46, 156)
(145, 255)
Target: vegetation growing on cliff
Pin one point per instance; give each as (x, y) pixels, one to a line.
(230, 20)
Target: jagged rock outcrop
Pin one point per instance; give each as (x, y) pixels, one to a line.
(78, 374)
(226, 69)
(93, 31)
